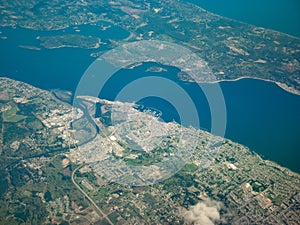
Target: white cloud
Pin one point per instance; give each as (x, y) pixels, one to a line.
(203, 213)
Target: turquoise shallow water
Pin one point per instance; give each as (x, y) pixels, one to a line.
(280, 15)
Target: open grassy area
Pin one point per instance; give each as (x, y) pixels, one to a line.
(11, 115)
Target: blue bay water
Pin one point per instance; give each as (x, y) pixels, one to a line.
(54, 68)
(260, 114)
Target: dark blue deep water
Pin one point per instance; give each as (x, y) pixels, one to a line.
(259, 114)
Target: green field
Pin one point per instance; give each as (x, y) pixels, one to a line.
(11, 115)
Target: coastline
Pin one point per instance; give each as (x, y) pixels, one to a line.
(279, 84)
(268, 29)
